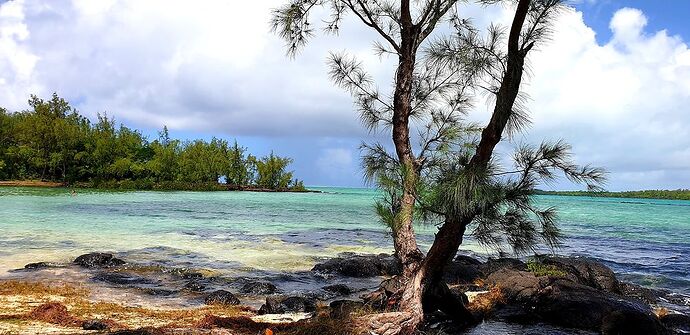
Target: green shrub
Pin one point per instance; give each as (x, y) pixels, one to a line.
(539, 269)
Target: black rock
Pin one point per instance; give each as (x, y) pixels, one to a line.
(679, 323)
(159, 292)
(644, 294)
(493, 265)
(563, 302)
(466, 260)
(338, 289)
(119, 278)
(343, 308)
(513, 314)
(292, 304)
(98, 260)
(391, 285)
(184, 273)
(461, 271)
(40, 265)
(192, 275)
(94, 325)
(141, 331)
(361, 266)
(586, 271)
(258, 288)
(195, 286)
(221, 297)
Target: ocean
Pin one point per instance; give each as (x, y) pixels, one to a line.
(644, 241)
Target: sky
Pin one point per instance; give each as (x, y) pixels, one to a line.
(614, 80)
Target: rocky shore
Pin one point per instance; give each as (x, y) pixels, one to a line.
(568, 293)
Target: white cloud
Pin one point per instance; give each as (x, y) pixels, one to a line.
(627, 24)
(17, 64)
(214, 67)
(209, 66)
(622, 104)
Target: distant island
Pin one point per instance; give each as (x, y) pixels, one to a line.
(680, 194)
(52, 145)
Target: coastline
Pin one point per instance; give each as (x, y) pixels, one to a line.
(31, 183)
(106, 293)
(644, 194)
(162, 186)
(230, 237)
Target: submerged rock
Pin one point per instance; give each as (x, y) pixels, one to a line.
(159, 292)
(361, 266)
(98, 260)
(41, 265)
(195, 286)
(119, 278)
(258, 288)
(292, 304)
(221, 297)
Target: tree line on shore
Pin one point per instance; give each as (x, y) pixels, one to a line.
(680, 194)
(51, 141)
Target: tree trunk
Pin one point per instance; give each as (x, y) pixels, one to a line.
(424, 288)
(508, 91)
(406, 248)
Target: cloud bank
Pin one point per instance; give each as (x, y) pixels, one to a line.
(215, 68)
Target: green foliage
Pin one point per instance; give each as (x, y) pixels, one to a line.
(241, 168)
(497, 202)
(452, 181)
(540, 269)
(680, 194)
(53, 142)
(272, 172)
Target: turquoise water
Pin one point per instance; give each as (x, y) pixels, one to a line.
(645, 241)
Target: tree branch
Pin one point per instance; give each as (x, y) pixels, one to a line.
(507, 93)
(371, 22)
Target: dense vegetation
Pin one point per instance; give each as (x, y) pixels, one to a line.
(681, 194)
(53, 142)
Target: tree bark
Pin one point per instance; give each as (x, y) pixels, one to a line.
(424, 287)
(426, 290)
(406, 248)
(508, 91)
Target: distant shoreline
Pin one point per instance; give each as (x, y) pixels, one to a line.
(682, 194)
(31, 183)
(163, 186)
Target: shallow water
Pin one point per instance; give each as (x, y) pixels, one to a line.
(270, 234)
(646, 241)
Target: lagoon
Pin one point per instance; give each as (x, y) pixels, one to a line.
(644, 241)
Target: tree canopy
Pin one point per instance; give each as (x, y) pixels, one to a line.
(451, 176)
(53, 142)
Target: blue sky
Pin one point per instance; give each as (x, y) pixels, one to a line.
(614, 81)
(666, 14)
